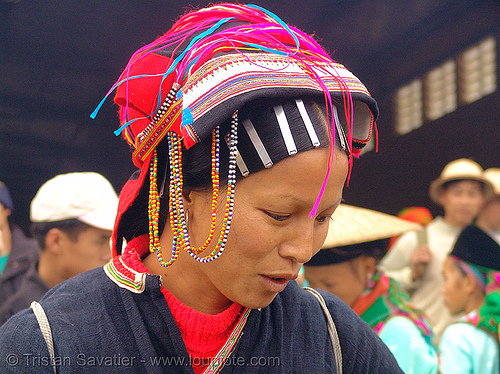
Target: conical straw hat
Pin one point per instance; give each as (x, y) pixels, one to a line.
(354, 225)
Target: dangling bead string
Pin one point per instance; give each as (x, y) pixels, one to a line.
(229, 206)
(175, 206)
(154, 214)
(177, 217)
(215, 152)
(153, 204)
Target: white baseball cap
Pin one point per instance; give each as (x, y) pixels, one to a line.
(88, 197)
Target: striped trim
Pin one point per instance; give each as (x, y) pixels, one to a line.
(285, 130)
(257, 143)
(307, 122)
(218, 362)
(124, 276)
(473, 270)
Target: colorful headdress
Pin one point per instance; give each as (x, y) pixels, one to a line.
(182, 87)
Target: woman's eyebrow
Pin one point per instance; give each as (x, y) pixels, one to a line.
(300, 200)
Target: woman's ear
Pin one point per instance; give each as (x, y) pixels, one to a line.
(369, 265)
(198, 214)
(469, 283)
(186, 194)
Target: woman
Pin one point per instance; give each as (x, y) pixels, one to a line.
(236, 121)
(347, 267)
(472, 286)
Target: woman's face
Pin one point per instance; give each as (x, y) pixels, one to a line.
(271, 234)
(453, 290)
(346, 280)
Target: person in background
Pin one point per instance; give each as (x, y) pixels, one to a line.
(347, 267)
(72, 217)
(415, 260)
(242, 129)
(17, 251)
(472, 286)
(489, 217)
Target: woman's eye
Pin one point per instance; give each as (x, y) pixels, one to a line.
(277, 217)
(322, 219)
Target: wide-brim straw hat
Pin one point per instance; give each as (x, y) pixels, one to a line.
(461, 169)
(493, 176)
(354, 225)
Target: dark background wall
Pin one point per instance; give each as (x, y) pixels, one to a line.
(58, 58)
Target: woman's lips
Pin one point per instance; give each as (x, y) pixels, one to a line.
(274, 284)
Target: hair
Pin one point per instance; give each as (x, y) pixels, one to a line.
(329, 256)
(196, 161)
(376, 249)
(447, 184)
(71, 227)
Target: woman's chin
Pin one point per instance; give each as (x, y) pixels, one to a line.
(258, 304)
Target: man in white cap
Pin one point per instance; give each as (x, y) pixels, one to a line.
(489, 217)
(416, 260)
(72, 218)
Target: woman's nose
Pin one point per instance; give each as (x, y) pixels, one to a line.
(298, 245)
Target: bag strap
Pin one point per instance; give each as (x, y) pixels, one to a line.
(332, 330)
(43, 322)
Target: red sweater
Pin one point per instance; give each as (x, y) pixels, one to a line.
(203, 334)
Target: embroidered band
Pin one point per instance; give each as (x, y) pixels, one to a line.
(285, 130)
(257, 143)
(307, 122)
(219, 360)
(472, 270)
(124, 276)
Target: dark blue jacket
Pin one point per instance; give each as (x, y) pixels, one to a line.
(99, 327)
(31, 288)
(24, 252)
